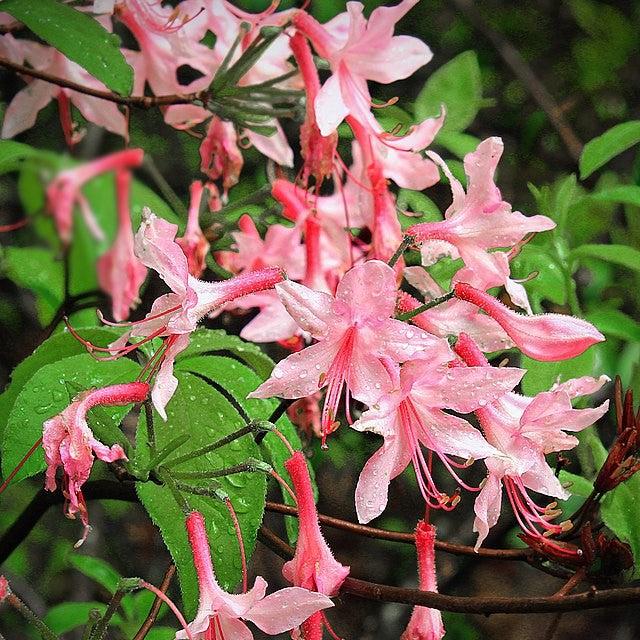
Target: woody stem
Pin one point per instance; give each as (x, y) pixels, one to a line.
(425, 307)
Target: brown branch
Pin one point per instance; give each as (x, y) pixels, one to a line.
(409, 538)
(157, 603)
(521, 69)
(142, 102)
(592, 599)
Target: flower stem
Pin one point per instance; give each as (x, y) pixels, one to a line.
(44, 631)
(405, 244)
(425, 307)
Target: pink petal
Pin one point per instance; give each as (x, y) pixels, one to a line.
(286, 609)
(311, 310)
(298, 375)
(166, 383)
(546, 337)
(401, 341)
(367, 378)
(383, 466)
(101, 113)
(419, 137)
(232, 628)
(330, 107)
(22, 112)
(275, 146)
(487, 507)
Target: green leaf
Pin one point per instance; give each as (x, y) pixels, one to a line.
(37, 270)
(65, 617)
(614, 322)
(51, 350)
(600, 150)
(580, 486)
(625, 194)
(541, 376)
(79, 37)
(12, 154)
(458, 86)
(419, 203)
(239, 380)
(458, 143)
(548, 283)
(200, 411)
(619, 254)
(46, 395)
(620, 511)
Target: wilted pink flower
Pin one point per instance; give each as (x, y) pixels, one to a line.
(23, 110)
(69, 443)
(411, 416)
(222, 615)
(425, 623)
(359, 50)
(477, 221)
(355, 332)
(546, 337)
(175, 315)
(220, 156)
(193, 242)
(523, 430)
(120, 273)
(313, 566)
(64, 191)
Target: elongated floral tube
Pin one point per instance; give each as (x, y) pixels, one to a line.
(547, 337)
(425, 623)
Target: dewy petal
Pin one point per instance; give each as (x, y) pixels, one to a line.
(546, 337)
(330, 106)
(369, 290)
(311, 310)
(156, 247)
(286, 609)
(367, 377)
(383, 466)
(487, 507)
(166, 383)
(419, 137)
(401, 342)
(299, 374)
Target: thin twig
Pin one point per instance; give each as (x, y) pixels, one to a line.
(142, 102)
(521, 69)
(591, 599)
(157, 603)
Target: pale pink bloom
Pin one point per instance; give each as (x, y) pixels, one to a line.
(222, 615)
(69, 443)
(164, 48)
(452, 317)
(23, 110)
(364, 50)
(193, 242)
(64, 191)
(411, 416)
(220, 156)
(175, 315)
(478, 220)
(523, 430)
(355, 332)
(120, 273)
(546, 337)
(313, 567)
(318, 151)
(425, 623)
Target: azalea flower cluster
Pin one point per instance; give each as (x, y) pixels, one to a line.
(328, 283)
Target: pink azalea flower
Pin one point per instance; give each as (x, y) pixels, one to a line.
(175, 315)
(220, 156)
(425, 623)
(523, 430)
(164, 48)
(452, 317)
(23, 110)
(363, 50)
(313, 566)
(546, 337)
(64, 191)
(355, 332)
(193, 242)
(411, 416)
(221, 614)
(120, 273)
(478, 220)
(69, 443)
